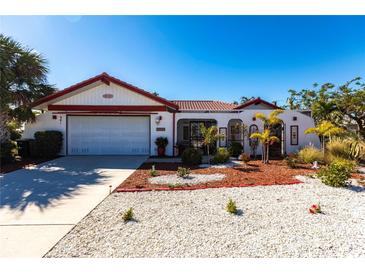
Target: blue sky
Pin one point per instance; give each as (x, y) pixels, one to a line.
(201, 57)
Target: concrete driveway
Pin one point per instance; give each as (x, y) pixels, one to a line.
(38, 206)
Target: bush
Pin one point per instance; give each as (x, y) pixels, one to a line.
(231, 207)
(128, 215)
(8, 152)
(221, 156)
(244, 157)
(161, 142)
(235, 149)
(183, 172)
(310, 154)
(291, 161)
(191, 156)
(48, 143)
(338, 149)
(153, 172)
(337, 173)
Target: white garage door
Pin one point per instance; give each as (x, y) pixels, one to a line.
(108, 135)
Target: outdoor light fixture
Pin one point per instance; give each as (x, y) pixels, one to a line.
(158, 119)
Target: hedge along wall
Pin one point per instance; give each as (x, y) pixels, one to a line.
(48, 143)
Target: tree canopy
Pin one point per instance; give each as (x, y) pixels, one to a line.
(23, 80)
(343, 105)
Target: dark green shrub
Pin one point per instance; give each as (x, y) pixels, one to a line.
(161, 142)
(231, 207)
(191, 156)
(337, 173)
(48, 143)
(183, 172)
(128, 215)
(291, 161)
(221, 156)
(235, 149)
(8, 152)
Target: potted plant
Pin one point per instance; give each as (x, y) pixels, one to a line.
(161, 143)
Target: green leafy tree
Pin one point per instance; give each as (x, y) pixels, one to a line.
(343, 105)
(23, 79)
(266, 138)
(325, 131)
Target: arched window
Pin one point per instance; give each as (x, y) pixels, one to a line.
(235, 130)
(253, 128)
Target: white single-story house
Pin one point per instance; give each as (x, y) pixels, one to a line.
(105, 116)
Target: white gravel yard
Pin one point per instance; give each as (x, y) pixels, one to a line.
(191, 179)
(274, 223)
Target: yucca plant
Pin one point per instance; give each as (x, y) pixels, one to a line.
(210, 136)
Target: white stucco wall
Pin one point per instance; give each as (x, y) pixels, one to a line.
(303, 122)
(166, 123)
(121, 96)
(43, 122)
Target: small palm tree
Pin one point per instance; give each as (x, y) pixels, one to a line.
(210, 136)
(325, 130)
(266, 139)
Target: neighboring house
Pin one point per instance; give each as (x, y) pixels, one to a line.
(104, 115)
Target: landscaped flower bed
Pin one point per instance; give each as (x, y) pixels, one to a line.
(251, 174)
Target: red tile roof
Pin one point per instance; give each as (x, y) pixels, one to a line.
(203, 105)
(256, 101)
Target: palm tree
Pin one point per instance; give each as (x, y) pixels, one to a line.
(23, 80)
(325, 130)
(265, 137)
(210, 136)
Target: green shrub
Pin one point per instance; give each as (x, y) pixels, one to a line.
(153, 172)
(161, 142)
(183, 172)
(235, 149)
(231, 207)
(337, 173)
(310, 154)
(128, 215)
(48, 143)
(8, 152)
(191, 156)
(221, 156)
(291, 161)
(245, 157)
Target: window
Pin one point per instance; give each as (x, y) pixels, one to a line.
(186, 132)
(294, 135)
(223, 141)
(253, 128)
(295, 118)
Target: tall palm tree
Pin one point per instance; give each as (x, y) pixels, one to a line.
(23, 79)
(265, 137)
(325, 130)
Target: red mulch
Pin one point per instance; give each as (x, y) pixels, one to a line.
(22, 163)
(252, 174)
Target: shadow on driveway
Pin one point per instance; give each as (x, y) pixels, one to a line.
(46, 183)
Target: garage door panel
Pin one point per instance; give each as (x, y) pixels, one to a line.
(103, 135)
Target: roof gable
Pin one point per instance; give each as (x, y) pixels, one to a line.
(88, 84)
(257, 103)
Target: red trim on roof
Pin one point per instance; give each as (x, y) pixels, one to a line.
(106, 108)
(256, 102)
(105, 78)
